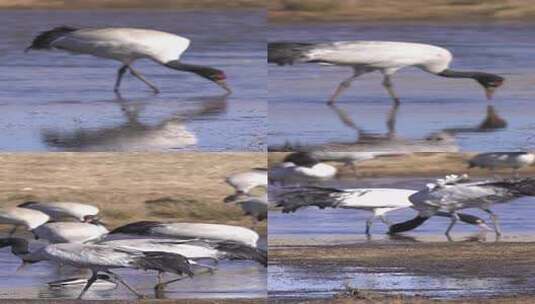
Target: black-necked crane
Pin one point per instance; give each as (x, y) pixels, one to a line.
(383, 56)
(31, 219)
(496, 160)
(191, 231)
(127, 45)
(299, 168)
(101, 258)
(454, 193)
(244, 182)
(377, 200)
(60, 210)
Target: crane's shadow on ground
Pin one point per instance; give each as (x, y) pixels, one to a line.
(133, 133)
(443, 140)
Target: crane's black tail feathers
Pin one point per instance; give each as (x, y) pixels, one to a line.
(44, 40)
(238, 251)
(140, 228)
(408, 225)
(165, 262)
(516, 186)
(321, 197)
(283, 53)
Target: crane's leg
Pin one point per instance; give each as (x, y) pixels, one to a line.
(454, 218)
(344, 85)
(90, 282)
(387, 83)
(120, 74)
(161, 286)
(391, 121)
(369, 223)
(120, 280)
(140, 77)
(494, 219)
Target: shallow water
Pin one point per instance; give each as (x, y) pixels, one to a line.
(430, 104)
(55, 101)
(324, 281)
(312, 226)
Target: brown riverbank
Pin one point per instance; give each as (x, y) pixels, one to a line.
(401, 11)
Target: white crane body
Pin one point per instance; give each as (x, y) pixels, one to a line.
(124, 44)
(16, 216)
(246, 181)
(70, 232)
(60, 210)
(385, 56)
(191, 231)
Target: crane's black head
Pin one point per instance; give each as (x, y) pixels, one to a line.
(212, 74)
(490, 82)
(302, 159)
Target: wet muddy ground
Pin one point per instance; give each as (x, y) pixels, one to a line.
(459, 270)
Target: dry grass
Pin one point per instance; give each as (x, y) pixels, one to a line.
(416, 164)
(131, 186)
(129, 4)
(408, 10)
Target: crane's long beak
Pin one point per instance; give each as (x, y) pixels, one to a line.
(223, 85)
(489, 91)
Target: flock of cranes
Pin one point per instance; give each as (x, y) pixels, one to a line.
(445, 197)
(75, 236)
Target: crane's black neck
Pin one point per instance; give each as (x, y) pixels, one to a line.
(460, 74)
(201, 70)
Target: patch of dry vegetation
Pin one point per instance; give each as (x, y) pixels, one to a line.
(408, 10)
(131, 186)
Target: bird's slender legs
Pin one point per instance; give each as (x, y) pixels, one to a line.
(120, 74)
(391, 121)
(140, 77)
(120, 280)
(12, 231)
(387, 83)
(90, 282)
(454, 218)
(343, 86)
(369, 223)
(494, 219)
